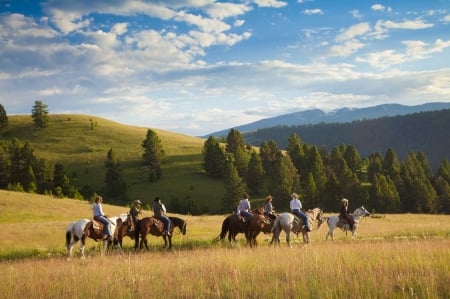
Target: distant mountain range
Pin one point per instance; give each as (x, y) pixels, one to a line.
(343, 115)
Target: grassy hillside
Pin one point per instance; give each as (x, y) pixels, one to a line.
(81, 143)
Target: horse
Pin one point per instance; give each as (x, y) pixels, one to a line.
(125, 230)
(82, 229)
(256, 224)
(234, 225)
(334, 222)
(156, 227)
(289, 223)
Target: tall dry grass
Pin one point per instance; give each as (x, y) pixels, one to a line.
(394, 256)
(354, 269)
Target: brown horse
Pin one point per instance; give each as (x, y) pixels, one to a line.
(125, 230)
(233, 225)
(156, 227)
(256, 224)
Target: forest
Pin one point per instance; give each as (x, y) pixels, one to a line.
(323, 177)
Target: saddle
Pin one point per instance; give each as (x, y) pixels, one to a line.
(97, 225)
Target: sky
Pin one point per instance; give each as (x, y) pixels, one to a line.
(200, 66)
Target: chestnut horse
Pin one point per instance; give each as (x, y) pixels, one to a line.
(233, 225)
(256, 224)
(156, 227)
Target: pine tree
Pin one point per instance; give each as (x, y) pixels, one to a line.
(213, 157)
(115, 187)
(3, 120)
(153, 155)
(234, 188)
(295, 151)
(255, 174)
(5, 174)
(236, 146)
(39, 113)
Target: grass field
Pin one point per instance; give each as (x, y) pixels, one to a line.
(394, 256)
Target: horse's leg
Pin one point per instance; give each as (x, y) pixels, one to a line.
(165, 241)
(170, 241)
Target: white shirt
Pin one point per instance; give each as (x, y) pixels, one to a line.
(295, 204)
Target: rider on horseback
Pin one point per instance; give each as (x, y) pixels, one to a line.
(268, 208)
(296, 207)
(344, 215)
(100, 216)
(243, 208)
(160, 213)
(135, 210)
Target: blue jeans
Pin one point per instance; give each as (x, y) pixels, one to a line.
(246, 214)
(166, 221)
(107, 224)
(303, 216)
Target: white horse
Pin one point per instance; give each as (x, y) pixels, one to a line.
(76, 232)
(334, 222)
(288, 223)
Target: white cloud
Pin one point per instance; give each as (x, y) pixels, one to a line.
(315, 11)
(354, 31)
(356, 14)
(270, 3)
(345, 49)
(377, 7)
(382, 27)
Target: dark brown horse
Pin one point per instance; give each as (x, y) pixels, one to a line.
(256, 224)
(125, 230)
(233, 225)
(151, 225)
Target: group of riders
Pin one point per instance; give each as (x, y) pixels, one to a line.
(158, 208)
(243, 210)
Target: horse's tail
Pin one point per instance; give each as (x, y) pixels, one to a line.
(276, 225)
(225, 228)
(69, 234)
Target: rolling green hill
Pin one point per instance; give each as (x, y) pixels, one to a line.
(81, 144)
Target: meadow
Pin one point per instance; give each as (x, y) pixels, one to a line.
(394, 256)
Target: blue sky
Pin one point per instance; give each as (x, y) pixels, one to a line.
(199, 66)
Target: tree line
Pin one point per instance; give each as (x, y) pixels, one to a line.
(381, 182)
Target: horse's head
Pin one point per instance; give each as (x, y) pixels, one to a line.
(361, 212)
(180, 223)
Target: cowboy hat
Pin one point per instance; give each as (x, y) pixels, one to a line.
(344, 200)
(137, 201)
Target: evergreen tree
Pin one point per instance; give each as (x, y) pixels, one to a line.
(61, 182)
(384, 195)
(153, 155)
(353, 159)
(213, 157)
(234, 188)
(5, 174)
(39, 113)
(295, 151)
(270, 156)
(3, 120)
(29, 181)
(255, 174)
(442, 187)
(375, 165)
(284, 181)
(44, 176)
(319, 178)
(115, 184)
(236, 146)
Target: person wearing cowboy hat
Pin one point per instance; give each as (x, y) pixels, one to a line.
(135, 210)
(160, 213)
(344, 215)
(296, 209)
(268, 208)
